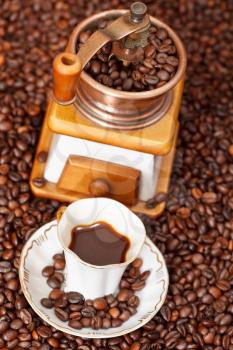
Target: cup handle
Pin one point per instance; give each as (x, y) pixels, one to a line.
(60, 213)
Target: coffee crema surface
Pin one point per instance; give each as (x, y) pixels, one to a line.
(99, 244)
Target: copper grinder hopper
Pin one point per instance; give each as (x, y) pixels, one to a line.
(106, 106)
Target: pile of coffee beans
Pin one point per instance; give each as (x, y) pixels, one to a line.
(156, 68)
(106, 312)
(195, 231)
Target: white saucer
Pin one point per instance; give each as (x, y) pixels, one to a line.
(38, 252)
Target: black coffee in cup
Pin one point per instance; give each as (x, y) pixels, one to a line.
(99, 244)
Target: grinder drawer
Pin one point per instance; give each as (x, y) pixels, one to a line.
(98, 178)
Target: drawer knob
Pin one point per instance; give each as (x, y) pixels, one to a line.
(99, 187)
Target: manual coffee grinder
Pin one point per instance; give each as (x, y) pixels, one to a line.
(100, 141)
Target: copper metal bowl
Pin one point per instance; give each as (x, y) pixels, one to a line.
(123, 110)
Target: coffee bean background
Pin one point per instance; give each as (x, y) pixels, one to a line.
(195, 233)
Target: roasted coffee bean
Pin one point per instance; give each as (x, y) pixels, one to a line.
(75, 315)
(25, 316)
(5, 266)
(219, 306)
(84, 347)
(133, 301)
(46, 302)
(125, 315)
(100, 304)
(16, 324)
(4, 325)
(61, 314)
(138, 285)
(86, 321)
(95, 67)
(44, 347)
(172, 60)
(59, 264)
(106, 323)
(115, 75)
(53, 282)
(161, 34)
(226, 341)
(151, 80)
(55, 294)
(223, 285)
(75, 324)
(74, 298)
(169, 68)
(44, 332)
(124, 294)
(89, 302)
(135, 346)
(12, 284)
(163, 75)
(143, 276)
(127, 84)
(61, 303)
(197, 259)
(75, 307)
(88, 311)
(38, 181)
(48, 271)
(59, 276)
(20, 302)
(116, 322)
(216, 292)
(134, 272)
(149, 51)
(9, 335)
(225, 319)
(114, 341)
(53, 342)
(58, 256)
(161, 58)
(96, 322)
(209, 197)
(114, 312)
(137, 263)
(166, 313)
(110, 299)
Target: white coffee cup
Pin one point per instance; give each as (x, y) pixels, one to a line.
(91, 280)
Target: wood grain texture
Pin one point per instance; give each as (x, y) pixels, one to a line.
(51, 190)
(88, 176)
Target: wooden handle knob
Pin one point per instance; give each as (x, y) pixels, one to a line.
(66, 70)
(99, 188)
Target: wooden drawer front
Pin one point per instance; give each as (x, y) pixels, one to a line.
(99, 178)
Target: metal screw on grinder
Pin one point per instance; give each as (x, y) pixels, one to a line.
(138, 10)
